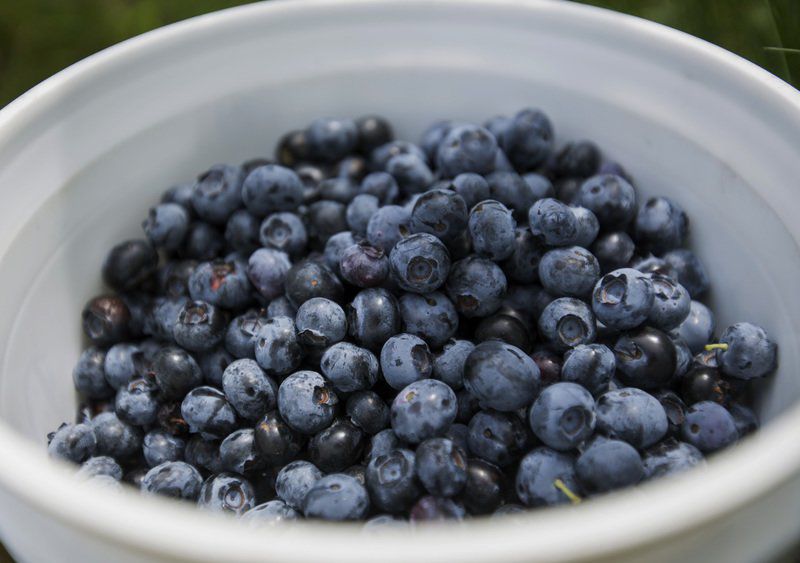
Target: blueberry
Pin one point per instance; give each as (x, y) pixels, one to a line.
(213, 365)
(273, 512)
(675, 410)
(174, 479)
(382, 443)
(276, 441)
(691, 272)
(510, 189)
(546, 478)
(433, 136)
(631, 415)
(709, 427)
(497, 125)
(388, 226)
(588, 226)
(655, 265)
(381, 185)
(613, 250)
(381, 156)
(336, 447)
(159, 446)
(405, 358)
(539, 186)
(472, 188)
(506, 326)
(373, 317)
(420, 263)
(180, 194)
(166, 225)
(239, 454)
(106, 320)
(623, 299)
(554, 222)
(697, 329)
(522, 265)
(373, 131)
(332, 139)
(431, 316)
(661, 225)
(671, 303)
(248, 389)
(563, 416)
(207, 411)
(363, 265)
(609, 464)
(349, 368)
(242, 333)
(466, 148)
(391, 480)
(468, 405)
(492, 229)
(173, 278)
(359, 212)
(89, 374)
(610, 197)
(137, 402)
(170, 419)
(528, 139)
(320, 323)
(566, 323)
(295, 480)
(227, 492)
(367, 411)
(411, 173)
(336, 497)
(129, 264)
(293, 148)
(334, 249)
(200, 326)
(702, 383)
(281, 307)
(746, 420)
(306, 402)
(423, 409)
(241, 232)
(72, 442)
(115, 438)
(749, 353)
(272, 188)
(590, 365)
(100, 465)
(581, 159)
(283, 231)
(496, 437)
(476, 286)
(430, 508)
(308, 279)
(161, 316)
(484, 489)
(324, 219)
(645, 358)
(218, 193)
(449, 364)
(267, 271)
(670, 457)
(202, 242)
(440, 212)
(175, 372)
(571, 271)
(342, 190)
(122, 363)
(501, 376)
(441, 467)
(203, 454)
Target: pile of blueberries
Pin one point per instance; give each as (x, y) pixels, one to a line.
(370, 329)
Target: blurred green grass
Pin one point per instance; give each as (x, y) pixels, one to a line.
(40, 37)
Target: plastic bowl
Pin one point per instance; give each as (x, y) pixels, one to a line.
(83, 155)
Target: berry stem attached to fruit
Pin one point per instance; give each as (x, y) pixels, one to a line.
(574, 499)
(721, 346)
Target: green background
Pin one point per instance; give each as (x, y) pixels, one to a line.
(40, 37)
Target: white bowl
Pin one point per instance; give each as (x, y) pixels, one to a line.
(84, 154)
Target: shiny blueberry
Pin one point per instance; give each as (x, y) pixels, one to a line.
(496, 437)
(307, 402)
(207, 411)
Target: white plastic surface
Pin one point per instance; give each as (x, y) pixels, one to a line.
(85, 154)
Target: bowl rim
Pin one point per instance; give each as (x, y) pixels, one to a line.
(147, 526)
